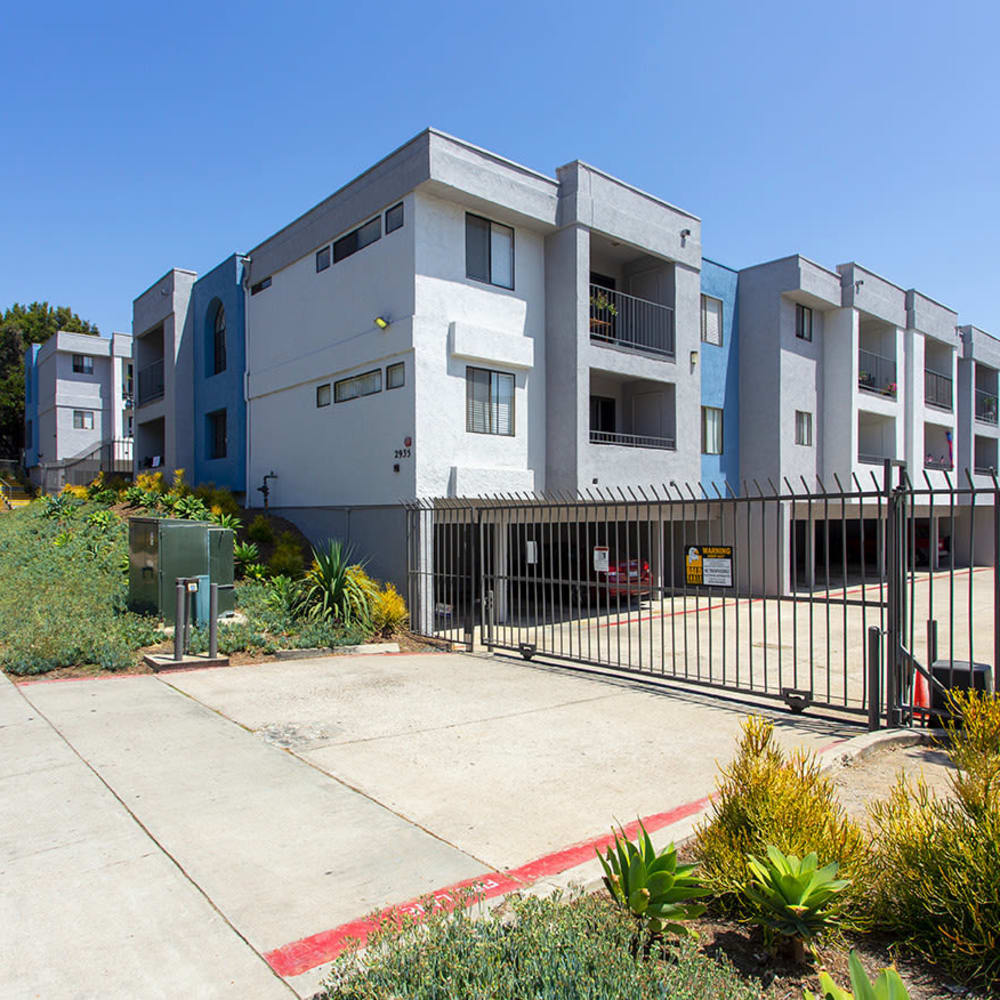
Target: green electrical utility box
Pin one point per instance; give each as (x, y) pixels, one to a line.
(161, 549)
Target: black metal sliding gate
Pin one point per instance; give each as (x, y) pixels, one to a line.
(836, 596)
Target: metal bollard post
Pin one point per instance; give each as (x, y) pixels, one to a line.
(213, 621)
(180, 615)
(874, 678)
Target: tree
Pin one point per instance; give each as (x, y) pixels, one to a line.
(20, 326)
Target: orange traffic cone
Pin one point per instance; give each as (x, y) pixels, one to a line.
(921, 695)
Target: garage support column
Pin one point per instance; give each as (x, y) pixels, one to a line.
(810, 553)
(881, 547)
(656, 558)
(425, 571)
(934, 526)
(501, 573)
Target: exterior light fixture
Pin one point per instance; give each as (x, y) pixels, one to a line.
(381, 322)
(685, 233)
(694, 360)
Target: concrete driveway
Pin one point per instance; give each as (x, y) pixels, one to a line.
(179, 831)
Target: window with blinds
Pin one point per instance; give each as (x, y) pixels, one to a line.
(489, 402)
(711, 430)
(359, 385)
(711, 320)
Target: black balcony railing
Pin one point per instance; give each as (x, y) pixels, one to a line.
(150, 382)
(632, 440)
(938, 390)
(986, 406)
(626, 321)
(876, 373)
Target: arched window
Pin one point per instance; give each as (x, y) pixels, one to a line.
(219, 340)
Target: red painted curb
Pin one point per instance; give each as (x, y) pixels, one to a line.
(300, 956)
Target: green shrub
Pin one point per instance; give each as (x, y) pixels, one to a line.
(213, 497)
(766, 797)
(260, 530)
(541, 949)
(287, 560)
(336, 588)
(797, 899)
(63, 604)
(933, 874)
(888, 985)
(388, 611)
(652, 887)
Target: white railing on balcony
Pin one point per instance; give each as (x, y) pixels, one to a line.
(632, 440)
(622, 320)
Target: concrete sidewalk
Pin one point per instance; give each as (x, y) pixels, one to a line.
(93, 907)
(273, 803)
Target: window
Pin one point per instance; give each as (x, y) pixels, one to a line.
(803, 322)
(129, 381)
(489, 251)
(219, 341)
(489, 402)
(358, 239)
(711, 430)
(394, 218)
(602, 414)
(711, 320)
(359, 385)
(323, 394)
(395, 376)
(803, 428)
(217, 434)
(260, 286)
(130, 427)
(83, 363)
(83, 420)
(322, 259)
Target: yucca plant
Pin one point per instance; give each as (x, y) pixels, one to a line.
(653, 887)
(797, 899)
(888, 985)
(334, 590)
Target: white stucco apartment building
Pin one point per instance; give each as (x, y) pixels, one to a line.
(77, 402)
(451, 323)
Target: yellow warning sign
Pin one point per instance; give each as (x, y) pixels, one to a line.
(709, 565)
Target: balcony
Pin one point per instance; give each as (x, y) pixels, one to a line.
(622, 320)
(150, 383)
(866, 459)
(986, 407)
(932, 462)
(876, 373)
(938, 390)
(632, 440)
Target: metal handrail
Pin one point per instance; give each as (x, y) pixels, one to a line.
(876, 373)
(986, 406)
(150, 382)
(633, 440)
(872, 459)
(938, 389)
(619, 319)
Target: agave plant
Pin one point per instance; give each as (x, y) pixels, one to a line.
(256, 572)
(888, 985)
(653, 887)
(245, 553)
(797, 899)
(334, 590)
(190, 507)
(224, 520)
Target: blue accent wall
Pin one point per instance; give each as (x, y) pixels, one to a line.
(224, 390)
(31, 405)
(720, 381)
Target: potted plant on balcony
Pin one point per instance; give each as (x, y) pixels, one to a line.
(602, 314)
(890, 389)
(866, 380)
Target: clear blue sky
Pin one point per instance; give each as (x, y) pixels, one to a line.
(137, 137)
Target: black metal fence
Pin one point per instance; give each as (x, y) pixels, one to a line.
(772, 592)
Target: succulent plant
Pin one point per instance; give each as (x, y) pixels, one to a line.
(653, 887)
(888, 985)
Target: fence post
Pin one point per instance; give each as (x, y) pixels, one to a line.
(874, 678)
(179, 616)
(468, 557)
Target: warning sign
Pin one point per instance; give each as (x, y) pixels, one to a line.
(709, 565)
(601, 561)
